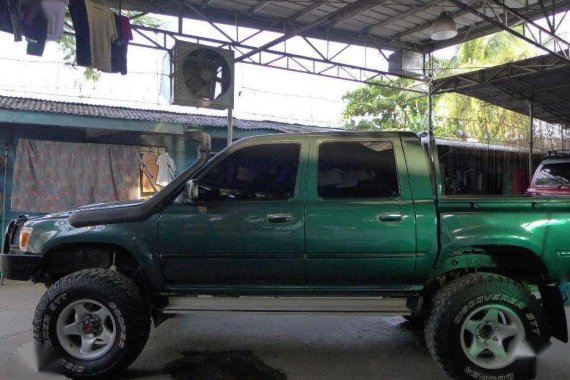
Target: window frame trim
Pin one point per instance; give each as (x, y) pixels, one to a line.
(358, 140)
(298, 143)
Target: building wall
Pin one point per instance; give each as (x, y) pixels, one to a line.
(182, 150)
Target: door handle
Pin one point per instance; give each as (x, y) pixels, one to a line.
(279, 217)
(390, 217)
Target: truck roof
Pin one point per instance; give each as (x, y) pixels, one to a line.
(334, 133)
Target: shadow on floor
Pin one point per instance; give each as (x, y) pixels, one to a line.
(417, 329)
(223, 365)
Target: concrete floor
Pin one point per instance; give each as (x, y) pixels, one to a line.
(256, 347)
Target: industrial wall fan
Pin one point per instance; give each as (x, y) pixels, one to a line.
(199, 76)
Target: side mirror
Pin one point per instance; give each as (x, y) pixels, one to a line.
(191, 191)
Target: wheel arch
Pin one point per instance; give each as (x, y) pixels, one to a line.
(67, 258)
(520, 261)
(517, 262)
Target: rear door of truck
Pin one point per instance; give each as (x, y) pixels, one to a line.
(360, 220)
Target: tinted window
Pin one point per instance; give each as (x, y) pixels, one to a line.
(261, 172)
(357, 170)
(553, 175)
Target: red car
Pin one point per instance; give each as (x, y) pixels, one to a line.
(552, 177)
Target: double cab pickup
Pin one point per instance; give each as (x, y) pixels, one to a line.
(346, 223)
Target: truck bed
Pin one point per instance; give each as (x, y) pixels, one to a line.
(539, 225)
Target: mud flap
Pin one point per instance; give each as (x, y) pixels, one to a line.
(554, 306)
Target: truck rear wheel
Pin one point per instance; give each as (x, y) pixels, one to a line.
(95, 322)
(486, 326)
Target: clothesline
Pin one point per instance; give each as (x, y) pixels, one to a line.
(101, 35)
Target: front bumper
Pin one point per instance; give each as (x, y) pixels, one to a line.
(19, 266)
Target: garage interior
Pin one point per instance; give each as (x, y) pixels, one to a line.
(402, 33)
(257, 31)
(364, 41)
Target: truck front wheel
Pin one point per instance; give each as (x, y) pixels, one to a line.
(95, 322)
(486, 326)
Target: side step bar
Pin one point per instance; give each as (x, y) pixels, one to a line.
(288, 305)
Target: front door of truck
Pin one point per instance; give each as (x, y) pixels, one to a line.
(247, 226)
(360, 221)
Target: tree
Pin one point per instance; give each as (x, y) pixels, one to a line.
(68, 45)
(466, 117)
(373, 107)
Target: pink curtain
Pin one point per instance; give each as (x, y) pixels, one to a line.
(54, 176)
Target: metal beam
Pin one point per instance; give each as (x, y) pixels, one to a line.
(315, 48)
(485, 27)
(424, 26)
(260, 21)
(547, 16)
(205, 18)
(350, 9)
(404, 15)
(530, 140)
(564, 53)
(221, 12)
(356, 12)
(495, 74)
(307, 10)
(153, 38)
(563, 44)
(230, 126)
(259, 6)
(481, 28)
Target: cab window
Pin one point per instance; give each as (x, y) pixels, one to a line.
(258, 172)
(357, 170)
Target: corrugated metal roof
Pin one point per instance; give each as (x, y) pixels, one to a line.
(544, 80)
(125, 113)
(395, 23)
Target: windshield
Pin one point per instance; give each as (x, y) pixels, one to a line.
(557, 174)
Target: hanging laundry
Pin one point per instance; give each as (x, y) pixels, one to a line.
(15, 10)
(166, 169)
(102, 33)
(5, 18)
(78, 12)
(55, 14)
(34, 27)
(119, 48)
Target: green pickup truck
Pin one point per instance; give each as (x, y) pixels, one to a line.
(345, 223)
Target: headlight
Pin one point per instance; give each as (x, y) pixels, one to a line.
(25, 238)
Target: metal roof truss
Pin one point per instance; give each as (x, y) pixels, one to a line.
(324, 62)
(333, 21)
